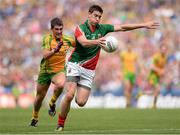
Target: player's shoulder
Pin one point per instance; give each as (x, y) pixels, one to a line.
(156, 55)
(67, 37)
(123, 53)
(104, 25)
(82, 26)
(47, 36)
(135, 53)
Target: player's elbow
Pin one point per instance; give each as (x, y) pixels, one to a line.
(84, 44)
(45, 57)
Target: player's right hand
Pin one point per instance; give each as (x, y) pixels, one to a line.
(102, 41)
(152, 25)
(58, 47)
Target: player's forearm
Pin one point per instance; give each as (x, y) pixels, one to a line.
(156, 69)
(128, 27)
(48, 54)
(88, 43)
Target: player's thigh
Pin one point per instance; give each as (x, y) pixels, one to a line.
(70, 90)
(86, 78)
(82, 95)
(72, 71)
(59, 79)
(84, 86)
(43, 83)
(127, 83)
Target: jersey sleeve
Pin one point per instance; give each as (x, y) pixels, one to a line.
(122, 55)
(46, 42)
(70, 41)
(155, 59)
(78, 32)
(107, 28)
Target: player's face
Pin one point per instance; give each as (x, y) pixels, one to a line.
(129, 47)
(57, 31)
(95, 17)
(163, 50)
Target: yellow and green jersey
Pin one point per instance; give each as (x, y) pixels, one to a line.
(128, 60)
(56, 62)
(159, 61)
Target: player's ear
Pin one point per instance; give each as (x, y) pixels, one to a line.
(89, 14)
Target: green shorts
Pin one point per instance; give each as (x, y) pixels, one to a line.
(130, 77)
(45, 78)
(153, 78)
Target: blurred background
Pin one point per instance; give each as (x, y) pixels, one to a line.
(24, 22)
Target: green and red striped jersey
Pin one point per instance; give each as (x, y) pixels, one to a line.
(88, 57)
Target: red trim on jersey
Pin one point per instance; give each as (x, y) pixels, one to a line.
(91, 64)
(78, 32)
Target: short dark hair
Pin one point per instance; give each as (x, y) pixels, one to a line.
(95, 8)
(56, 21)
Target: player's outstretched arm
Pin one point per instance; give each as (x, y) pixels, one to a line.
(128, 27)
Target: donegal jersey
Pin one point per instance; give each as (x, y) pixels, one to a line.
(128, 61)
(159, 61)
(56, 62)
(88, 57)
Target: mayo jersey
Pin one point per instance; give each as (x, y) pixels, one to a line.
(88, 57)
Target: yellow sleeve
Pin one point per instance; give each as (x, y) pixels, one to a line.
(46, 42)
(70, 40)
(122, 54)
(155, 59)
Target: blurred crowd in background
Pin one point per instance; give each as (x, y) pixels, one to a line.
(24, 22)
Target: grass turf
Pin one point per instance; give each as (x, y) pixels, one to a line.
(94, 121)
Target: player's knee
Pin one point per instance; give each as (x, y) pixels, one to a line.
(69, 97)
(81, 103)
(60, 85)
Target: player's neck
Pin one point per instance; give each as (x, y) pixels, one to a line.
(92, 27)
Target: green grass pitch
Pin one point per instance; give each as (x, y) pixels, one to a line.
(94, 121)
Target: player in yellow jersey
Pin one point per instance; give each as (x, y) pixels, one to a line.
(129, 63)
(157, 71)
(54, 49)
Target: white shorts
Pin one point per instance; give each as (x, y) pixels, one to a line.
(75, 73)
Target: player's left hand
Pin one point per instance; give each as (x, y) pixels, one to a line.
(58, 47)
(152, 25)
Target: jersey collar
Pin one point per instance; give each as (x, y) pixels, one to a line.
(57, 39)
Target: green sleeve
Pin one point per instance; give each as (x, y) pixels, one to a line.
(106, 28)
